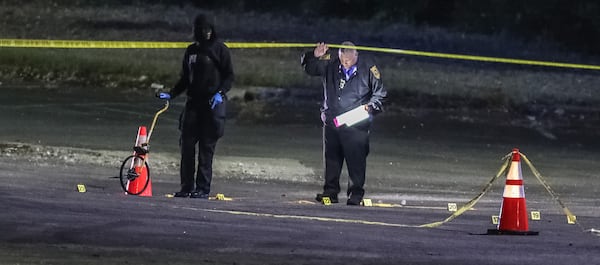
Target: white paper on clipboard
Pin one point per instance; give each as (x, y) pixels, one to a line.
(351, 117)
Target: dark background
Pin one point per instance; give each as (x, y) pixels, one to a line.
(574, 25)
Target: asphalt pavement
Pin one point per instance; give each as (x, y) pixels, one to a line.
(52, 141)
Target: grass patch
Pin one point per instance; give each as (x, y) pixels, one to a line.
(101, 68)
(138, 68)
(270, 68)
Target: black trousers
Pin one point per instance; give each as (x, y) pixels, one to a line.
(350, 144)
(201, 127)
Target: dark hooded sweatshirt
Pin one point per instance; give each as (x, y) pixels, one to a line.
(206, 70)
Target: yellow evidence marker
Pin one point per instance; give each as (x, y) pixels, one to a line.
(495, 219)
(536, 215)
(81, 188)
(452, 207)
(366, 202)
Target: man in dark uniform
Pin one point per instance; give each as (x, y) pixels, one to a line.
(348, 83)
(206, 77)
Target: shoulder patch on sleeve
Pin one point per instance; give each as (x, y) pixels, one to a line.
(325, 57)
(375, 72)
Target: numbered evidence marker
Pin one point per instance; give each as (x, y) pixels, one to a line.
(326, 201)
(571, 219)
(495, 219)
(366, 202)
(81, 188)
(452, 207)
(536, 216)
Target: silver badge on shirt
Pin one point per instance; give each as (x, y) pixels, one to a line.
(342, 83)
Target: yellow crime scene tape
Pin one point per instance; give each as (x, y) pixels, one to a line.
(88, 44)
(83, 44)
(468, 206)
(570, 216)
(473, 201)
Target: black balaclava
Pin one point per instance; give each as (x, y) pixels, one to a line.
(204, 31)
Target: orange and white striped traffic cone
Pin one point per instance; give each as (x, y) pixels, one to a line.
(513, 213)
(136, 186)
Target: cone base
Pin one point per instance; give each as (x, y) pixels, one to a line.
(514, 233)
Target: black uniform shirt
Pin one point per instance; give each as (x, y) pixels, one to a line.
(364, 86)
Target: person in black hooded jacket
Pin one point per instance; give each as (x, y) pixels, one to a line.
(206, 77)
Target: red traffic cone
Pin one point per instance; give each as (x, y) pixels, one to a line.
(513, 213)
(142, 136)
(138, 185)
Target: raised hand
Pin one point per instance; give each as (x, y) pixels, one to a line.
(321, 49)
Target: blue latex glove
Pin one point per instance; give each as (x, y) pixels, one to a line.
(163, 95)
(216, 100)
